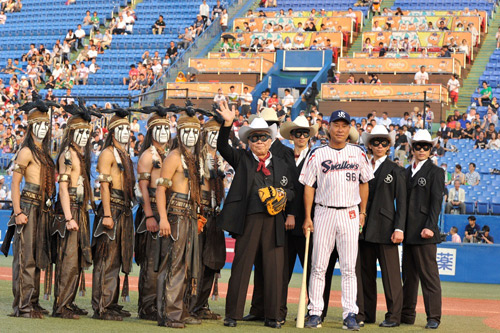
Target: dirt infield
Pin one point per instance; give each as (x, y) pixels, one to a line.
(490, 309)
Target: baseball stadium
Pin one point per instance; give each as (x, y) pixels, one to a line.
(248, 165)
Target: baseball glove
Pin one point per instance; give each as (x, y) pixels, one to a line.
(273, 198)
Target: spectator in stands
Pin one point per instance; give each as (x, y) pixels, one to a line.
(458, 174)
(87, 20)
(180, 77)
(401, 144)
(79, 35)
(367, 45)
(494, 142)
(497, 36)
(385, 120)
(456, 199)
(217, 10)
(106, 40)
(220, 98)
(70, 39)
(471, 230)
(204, 10)
(66, 50)
(134, 83)
(157, 68)
(455, 237)
(288, 101)
(92, 54)
(419, 124)
(246, 101)
(83, 74)
(485, 93)
(481, 142)
(485, 236)
(120, 27)
(438, 150)
(3, 17)
(255, 46)
(429, 117)
(442, 26)
(421, 77)
(132, 72)
(475, 33)
(468, 132)
(453, 85)
(269, 47)
(382, 50)
(95, 21)
(472, 178)
(186, 39)
(233, 98)
(172, 51)
(158, 26)
(443, 131)
(199, 25)
(456, 133)
(144, 82)
(394, 45)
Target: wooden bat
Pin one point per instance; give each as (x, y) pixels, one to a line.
(302, 299)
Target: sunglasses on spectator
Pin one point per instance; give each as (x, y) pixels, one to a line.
(299, 133)
(259, 137)
(378, 142)
(425, 147)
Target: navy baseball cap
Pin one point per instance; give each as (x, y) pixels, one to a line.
(340, 115)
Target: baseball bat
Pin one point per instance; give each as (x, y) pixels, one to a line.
(302, 298)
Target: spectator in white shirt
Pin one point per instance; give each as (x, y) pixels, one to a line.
(453, 85)
(220, 98)
(288, 100)
(246, 101)
(129, 20)
(121, 26)
(3, 17)
(94, 67)
(421, 77)
(157, 68)
(385, 120)
(56, 73)
(233, 97)
(376, 27)
(204, 10)
(83, 74)
(92, 53)
(80, 35)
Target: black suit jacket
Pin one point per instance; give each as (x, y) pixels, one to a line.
(425, 197)
(232, 217)
(297, 208)
(383, 217)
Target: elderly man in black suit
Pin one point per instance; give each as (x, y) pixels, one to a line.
(383, 230)
(425, 188)
(260, 188)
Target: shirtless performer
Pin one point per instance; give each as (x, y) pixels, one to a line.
(211, 239)
(177, 195)
(153, 152)
(71, 224)
(113, 233)
(31, 214)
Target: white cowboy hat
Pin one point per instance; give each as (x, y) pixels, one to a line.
(269, 114)
(299, 122)
(378, 131)
(257, 125)
(422, 135)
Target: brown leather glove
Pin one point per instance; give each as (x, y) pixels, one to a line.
(273, 198)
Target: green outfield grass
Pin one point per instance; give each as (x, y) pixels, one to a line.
(449, 323)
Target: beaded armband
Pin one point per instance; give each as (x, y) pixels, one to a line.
(63, 178)
(19, 169)
(144, 176)
(102, 178)
(165, 182)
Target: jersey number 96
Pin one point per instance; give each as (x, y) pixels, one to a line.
(350, 176)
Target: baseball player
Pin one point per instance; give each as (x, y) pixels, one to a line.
(341, 173)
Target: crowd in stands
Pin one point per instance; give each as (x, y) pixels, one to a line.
(473, 233)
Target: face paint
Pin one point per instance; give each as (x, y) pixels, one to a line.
(40, 129)
(212, 137)
(81, 137)
(161, 133)
(189, 136)
(122, 134)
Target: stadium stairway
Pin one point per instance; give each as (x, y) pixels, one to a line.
(470, 84)
(367, 26)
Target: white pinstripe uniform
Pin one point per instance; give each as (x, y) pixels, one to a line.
(337, 174)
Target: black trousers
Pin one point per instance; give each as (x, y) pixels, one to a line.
(258, 242)
(388, 257)
(420, 265)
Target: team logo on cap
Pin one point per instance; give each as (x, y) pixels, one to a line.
(388, 179)
(284, 181)
(421, 181)
(342, 114)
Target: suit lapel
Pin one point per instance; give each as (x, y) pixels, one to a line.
(382, 171)
(251, 166)
(423, 171)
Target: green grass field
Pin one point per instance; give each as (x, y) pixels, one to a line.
(333, 321)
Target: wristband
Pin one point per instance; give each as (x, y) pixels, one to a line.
(148, 217)
(69, 220)
(363, 214)
(16, 215)
(106, 216)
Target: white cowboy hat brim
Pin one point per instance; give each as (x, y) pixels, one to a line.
(246, 131)
(287, 128)
(367, 137)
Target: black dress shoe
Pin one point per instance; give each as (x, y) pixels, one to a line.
(432, 324)
(251, 317)
(387, 323)
(272, 323)
(229, 322)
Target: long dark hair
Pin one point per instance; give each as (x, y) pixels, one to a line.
(29, 141)
(67, 142)
(148, 141)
